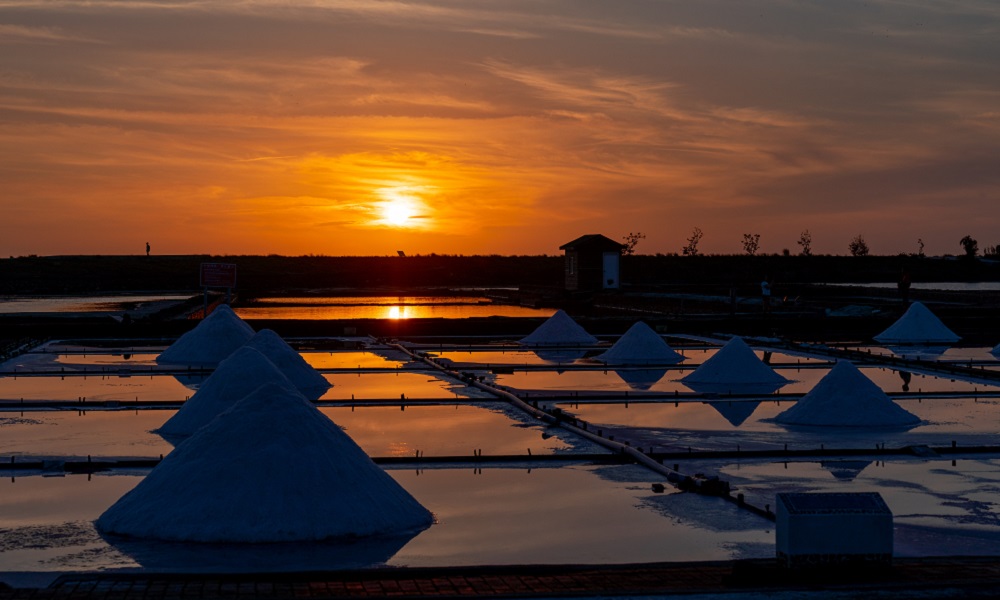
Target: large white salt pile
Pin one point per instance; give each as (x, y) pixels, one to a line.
(640, 346)
(271, 469)
(734, 368)
(208, 344)
(996, 351)
(559, 330)
(307, 379)
(918, 325)
(846, 398)
(237, 376)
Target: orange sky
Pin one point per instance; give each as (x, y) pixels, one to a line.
(510, 127)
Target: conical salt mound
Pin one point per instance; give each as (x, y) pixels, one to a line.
(271, 469)
(307, 379)
(239, 375)
(996, 351)
(208, 344)
(846, 398)
(918, 325)
(734, 364)
(559, 330)
(640, 346)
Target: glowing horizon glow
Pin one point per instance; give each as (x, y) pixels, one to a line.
(495, 127)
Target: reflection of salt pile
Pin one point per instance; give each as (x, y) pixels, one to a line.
(640, 346)
(917, 326)
(640, 379)
(845, 470)
(271, 469)
(735, 412)
(846, 398)
(208, 344)
(734, 368)
(290, 363)
(239, 375)
(559, 330)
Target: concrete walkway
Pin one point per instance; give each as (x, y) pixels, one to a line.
(975, 577)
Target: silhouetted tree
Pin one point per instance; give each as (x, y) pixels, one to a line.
(920, 247)
(858, 246)
(631, 241)
(806, 241)
(692, 246)
(970, 245)
(751, 243)
(992, 251)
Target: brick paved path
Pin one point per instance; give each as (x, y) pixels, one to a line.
(978, 577)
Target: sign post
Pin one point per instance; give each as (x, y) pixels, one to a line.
(217, 275)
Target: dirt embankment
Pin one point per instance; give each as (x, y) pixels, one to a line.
(277, 274)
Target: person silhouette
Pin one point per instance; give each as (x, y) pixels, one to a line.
(147, 248)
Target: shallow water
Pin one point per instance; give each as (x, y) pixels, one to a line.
(725, 425)
(87, 304)
(440, 430)
(667, 380)
(576, 514)
(384, 307)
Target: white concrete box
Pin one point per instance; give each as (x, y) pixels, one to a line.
(830, 529)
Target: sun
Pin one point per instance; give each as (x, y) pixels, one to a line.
(398, 211)
(400, 207)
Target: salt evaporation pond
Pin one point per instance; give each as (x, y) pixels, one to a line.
(803, 380)
(384, 307)
(939, 507)
(670, 426)
(577, 513)
(458, 430)
(350, 360)
(438, 430)
(112, 387)
(83, 304)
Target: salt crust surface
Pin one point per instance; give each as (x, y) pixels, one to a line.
(216, 337)
(640, 346)
(559, 330)
(239, 375)
(734, 364)
(307, 379)
(846, 398)
(917, 325)
(271, 469)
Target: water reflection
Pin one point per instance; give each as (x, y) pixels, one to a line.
(641, 379)
(255, 558)
(735, 412)
(384, 307)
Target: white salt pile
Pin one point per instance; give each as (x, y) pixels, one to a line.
(734, 367)
(559, 330)
(846, 398)
(917, 325)
(239, 375)
(271, 469)
(996, 351)
(307, 379)
(640, 346)
(208, 344)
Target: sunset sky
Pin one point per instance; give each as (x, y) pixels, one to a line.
(363, 127)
